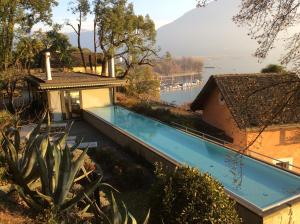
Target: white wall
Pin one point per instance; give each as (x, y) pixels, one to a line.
(54, 102)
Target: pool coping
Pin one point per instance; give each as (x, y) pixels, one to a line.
(240, 200)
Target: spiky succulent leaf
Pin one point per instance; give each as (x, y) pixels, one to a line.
(64, 174)
(57, 155)
(76, 145)
(9, 148)
(43, 173)
(31, 161)
(29, 199)
(51, 164)
(50, 167)
(44, 145)
(84, 175)
(28, 161)
(36, 131)
(133, 220)
(116, 216)
(75, 167)
(17, 140)
(61, 142)
(88, 190)
(146, 221)
(49, 199)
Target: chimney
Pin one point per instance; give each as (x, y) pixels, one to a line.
(48, 66)
(111, 68)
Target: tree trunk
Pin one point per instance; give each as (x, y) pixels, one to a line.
(125, 73)
(95, 45)
(79, 43)
(8, 34)
(10, 104)
(104, 66)
(81, 53)
(91, 63)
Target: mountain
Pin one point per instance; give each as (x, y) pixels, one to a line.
(210, 33)
(87, 39)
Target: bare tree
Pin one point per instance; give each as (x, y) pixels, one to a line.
(138, 56)
(82, 8)
(269, 20)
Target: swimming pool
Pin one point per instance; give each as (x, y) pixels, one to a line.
(261, 185)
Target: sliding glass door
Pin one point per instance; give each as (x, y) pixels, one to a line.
(72, 104)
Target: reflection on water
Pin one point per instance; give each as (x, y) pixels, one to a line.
(179, 96)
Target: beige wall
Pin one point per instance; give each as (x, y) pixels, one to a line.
(96, 97)
(281, 143)
(54, 101)
(218, 115)
(81, 69)
(288, 215)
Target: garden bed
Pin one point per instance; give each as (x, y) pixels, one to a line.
(171, 115)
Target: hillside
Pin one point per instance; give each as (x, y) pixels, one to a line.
(210, 33)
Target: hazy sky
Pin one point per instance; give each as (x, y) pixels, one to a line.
(161, 11)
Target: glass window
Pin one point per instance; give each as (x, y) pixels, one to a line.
(284, 165)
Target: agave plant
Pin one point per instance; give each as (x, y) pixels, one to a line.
(44, 171)
(116, 216)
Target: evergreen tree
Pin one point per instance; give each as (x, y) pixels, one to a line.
(24, 14)
(123, 34)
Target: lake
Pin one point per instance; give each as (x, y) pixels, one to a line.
(180, 97)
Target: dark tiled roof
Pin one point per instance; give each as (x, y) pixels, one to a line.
(255, 100)
(72, 79)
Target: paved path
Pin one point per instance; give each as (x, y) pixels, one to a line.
(91, 134)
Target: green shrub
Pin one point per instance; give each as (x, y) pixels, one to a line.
(143, 83)
(2, 174)
(3, 170)
(273, 68)
(189, 196)
(5, 119)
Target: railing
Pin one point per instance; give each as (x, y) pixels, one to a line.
(225, 143)
(200, 134)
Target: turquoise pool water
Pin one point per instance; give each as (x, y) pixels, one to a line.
(259, 184)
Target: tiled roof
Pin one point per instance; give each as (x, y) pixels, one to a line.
(255, 100)
(72, 79)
